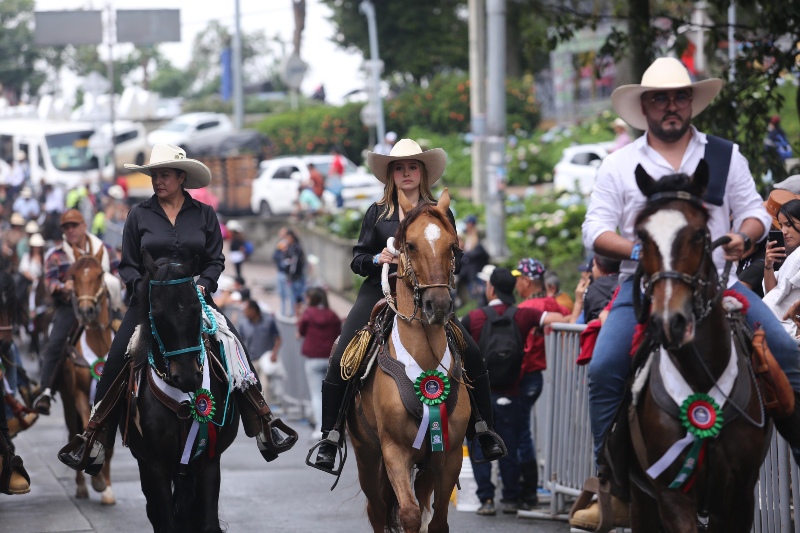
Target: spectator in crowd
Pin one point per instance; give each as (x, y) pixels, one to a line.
(622, 138)
(26, 205)
(20, 174)
(605, 278)
(530, 287)
(385, 147)
(585, 268)
(483, 278)
(259, 332)
(308, 203)
(782, 287)
(13, 235)
(319, 326)
(505, 402)
(335, 172)
(552, 285)
(475, 258)
(777, 140)
(240, 249)
(316, 180)
(54, 205)
(31, 227)
(116, 213)
(291, 262)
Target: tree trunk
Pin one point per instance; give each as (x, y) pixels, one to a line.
(641, 42)
(299, 7)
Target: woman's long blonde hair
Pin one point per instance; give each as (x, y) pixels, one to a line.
(390, 190)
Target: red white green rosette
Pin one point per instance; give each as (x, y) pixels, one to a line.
(97, 368)
(432, 387)
(203, 407)
(701, 416)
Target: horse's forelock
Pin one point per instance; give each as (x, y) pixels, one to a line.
(422, 208)
(671, 183)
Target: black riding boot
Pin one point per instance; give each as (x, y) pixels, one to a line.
(491, 444)
(332, 398)
(789, 428)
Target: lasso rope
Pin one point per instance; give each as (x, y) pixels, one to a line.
(354, 353)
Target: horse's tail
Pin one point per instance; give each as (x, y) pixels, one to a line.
(183, 496)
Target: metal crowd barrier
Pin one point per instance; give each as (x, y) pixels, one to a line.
(564, 443)
(291, 390)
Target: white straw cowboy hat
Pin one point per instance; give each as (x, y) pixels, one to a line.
(36, 240)
(170, 156)
(666, 73)
(435, 160)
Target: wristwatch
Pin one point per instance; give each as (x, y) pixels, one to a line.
(748, 242)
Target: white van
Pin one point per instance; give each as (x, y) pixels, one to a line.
(58, 151)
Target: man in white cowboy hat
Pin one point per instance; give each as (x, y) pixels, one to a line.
(77, 241)
(663, 105)
(26, 205)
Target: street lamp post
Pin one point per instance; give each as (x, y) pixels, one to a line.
(368, 9)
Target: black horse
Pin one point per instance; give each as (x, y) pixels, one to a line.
(173, 349)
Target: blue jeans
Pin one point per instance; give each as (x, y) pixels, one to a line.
(298, 287)
(285, 292)
(611, 362)
(506, 424)
(530, 388)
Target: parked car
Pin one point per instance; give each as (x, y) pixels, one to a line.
(130, 145)
(190, 127)
(359, 190)
(576, 171)
(276, 189)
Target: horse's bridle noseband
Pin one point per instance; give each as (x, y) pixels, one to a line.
(701, 307)
(95, 303)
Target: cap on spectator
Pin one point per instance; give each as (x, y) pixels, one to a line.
(586, 266)
(775, 119)
(17, 219)
(791, 184)
(234, 225)
(116, 192)
(36, 241)
(486, 272)
(619, 123)
(26, 192)
(31, 227)
(530, 267)
(504, 283)
(72, 216)
(471, 219)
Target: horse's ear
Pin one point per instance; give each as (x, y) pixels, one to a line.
(149, 264)
(700, 179)
(444, 202)
(99, 254)
(405, 205)
(76, 252)
(644, 181)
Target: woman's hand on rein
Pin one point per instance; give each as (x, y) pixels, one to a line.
(386, 257)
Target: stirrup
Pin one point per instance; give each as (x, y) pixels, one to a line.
(482, 430)
(266, 439)
(594, 486)
(333, 438)
(83, 453)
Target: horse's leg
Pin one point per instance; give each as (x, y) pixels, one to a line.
(677, 511)
(72, 418)
(157, 489)
(445, 481)
(398, 466)
(373, 480)
(207, 499)
(107, 496)
(644, 512)
(423, 487)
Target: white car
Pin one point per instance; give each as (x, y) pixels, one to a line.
(190, 127)
(359, 190)
(130, 145)
(577, 169)
(276, 189)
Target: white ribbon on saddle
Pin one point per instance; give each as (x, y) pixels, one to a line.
(413, 371)
(238, 369)
(180, 397)
(91, 358)
(679, 390)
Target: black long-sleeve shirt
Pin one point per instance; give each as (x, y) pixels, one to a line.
(196, 232)
(374, 233)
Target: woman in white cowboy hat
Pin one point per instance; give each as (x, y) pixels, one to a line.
(664, 104)
(414, 171)
(169, 224)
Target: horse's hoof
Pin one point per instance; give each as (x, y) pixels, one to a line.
(107, 498)
(82, 493)
(99, 483)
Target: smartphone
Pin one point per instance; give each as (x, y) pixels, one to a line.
(777, 235)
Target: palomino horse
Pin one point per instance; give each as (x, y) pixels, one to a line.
(82, 370)
(180, 474)
(698, 428)
(382, 431)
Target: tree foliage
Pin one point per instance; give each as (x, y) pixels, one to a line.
(17, 51)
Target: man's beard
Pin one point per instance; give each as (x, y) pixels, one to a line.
(668, 136)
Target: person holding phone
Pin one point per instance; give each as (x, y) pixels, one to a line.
(782, 264)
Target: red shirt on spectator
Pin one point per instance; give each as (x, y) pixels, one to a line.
(534, 358)
(320, 326)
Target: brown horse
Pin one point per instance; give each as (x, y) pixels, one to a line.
(91, 305)
(381, 429)
(721, 420)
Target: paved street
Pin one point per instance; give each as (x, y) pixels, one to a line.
(284, 495)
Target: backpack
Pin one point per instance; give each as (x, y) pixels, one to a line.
(501, 347)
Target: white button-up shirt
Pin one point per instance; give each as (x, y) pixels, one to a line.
(617, 200)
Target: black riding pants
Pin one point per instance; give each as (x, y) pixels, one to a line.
(63, 322)
(116, 361)
(358, 317)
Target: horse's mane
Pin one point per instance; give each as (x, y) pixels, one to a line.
(670, 183)
(422, 208)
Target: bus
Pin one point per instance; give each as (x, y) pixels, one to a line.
(57, 151)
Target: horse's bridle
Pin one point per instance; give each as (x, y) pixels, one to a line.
(416, 286)
(200, 347)
(701, 307)
(95, 303)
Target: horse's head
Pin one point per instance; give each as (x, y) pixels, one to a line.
(427, 243)
(676, 265)
(8, 309)
(173, 319)
(89, 287)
